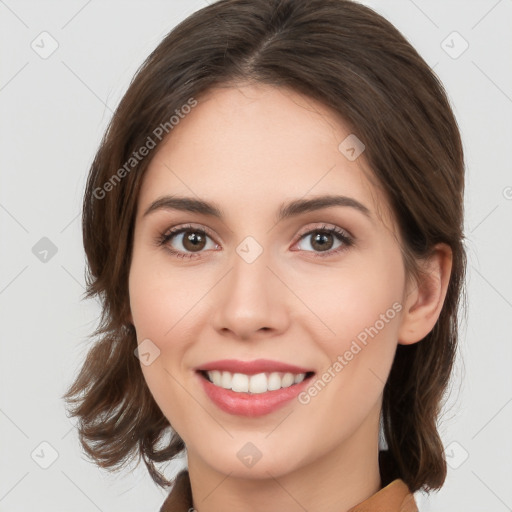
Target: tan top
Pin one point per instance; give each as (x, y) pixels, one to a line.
(394, 497)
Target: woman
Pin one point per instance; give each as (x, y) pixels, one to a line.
(273, 222)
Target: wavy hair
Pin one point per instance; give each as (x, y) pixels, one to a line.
(358, 64)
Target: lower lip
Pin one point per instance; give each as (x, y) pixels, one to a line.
(251, 404)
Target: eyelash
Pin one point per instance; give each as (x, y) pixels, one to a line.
(341, 235)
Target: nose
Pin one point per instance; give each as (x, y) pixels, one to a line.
(251, 301)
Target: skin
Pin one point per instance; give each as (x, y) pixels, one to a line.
(248, 149)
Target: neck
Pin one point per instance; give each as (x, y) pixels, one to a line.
(332, 482)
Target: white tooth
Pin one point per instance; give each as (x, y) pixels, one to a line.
(258, 383)
(240, 382)
(299, 377)
(216, 377)
(274, 381)
(287, 380)
(226, 380)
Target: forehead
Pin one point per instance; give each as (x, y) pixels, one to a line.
(254, 146)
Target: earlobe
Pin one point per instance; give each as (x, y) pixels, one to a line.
(425, 297)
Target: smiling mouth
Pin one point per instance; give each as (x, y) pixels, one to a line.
(254, 384)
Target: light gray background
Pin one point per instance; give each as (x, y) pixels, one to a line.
(53, 112)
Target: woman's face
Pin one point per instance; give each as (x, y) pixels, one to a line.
(266, 281)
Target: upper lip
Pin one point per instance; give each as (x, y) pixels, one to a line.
(252, 367)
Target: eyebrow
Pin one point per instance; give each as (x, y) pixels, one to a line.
(286, 210)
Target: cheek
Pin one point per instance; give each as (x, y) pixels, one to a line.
(355, 299)
(159, 304)
(160, 299)
(362, 310)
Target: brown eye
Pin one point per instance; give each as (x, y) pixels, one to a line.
(186, 242)
(326, 240)
(322, 241)
(193, 240)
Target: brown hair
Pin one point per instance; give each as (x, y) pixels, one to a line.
(351, 59)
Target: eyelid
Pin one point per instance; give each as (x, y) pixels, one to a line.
(324, 225)
(312, 226)
(190, 225)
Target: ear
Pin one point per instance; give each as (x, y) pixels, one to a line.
(425, 296)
